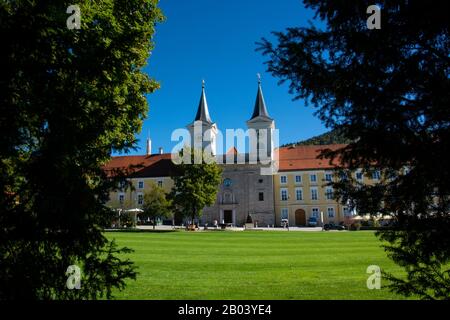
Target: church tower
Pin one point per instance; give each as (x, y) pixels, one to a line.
(264, 127)
(202, 130)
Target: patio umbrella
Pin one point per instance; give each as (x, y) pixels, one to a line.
(135, 211)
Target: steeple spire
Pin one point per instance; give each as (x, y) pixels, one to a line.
(260, 109)
(202, 111)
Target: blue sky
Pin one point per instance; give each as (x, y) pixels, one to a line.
(215, 40)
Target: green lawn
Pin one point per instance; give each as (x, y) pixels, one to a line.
(253, 265)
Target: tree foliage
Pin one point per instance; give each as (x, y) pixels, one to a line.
(68, 98)
(156, 205)
(387, 91)
(195, 184)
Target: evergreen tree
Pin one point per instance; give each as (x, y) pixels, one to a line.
(387, 90)
(70, 94)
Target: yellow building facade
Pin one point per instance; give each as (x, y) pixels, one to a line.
(133, 195)
(143, 172)
(300, 195)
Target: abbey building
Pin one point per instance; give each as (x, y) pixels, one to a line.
(296, 191)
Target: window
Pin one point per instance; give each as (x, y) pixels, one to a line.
(315, 213)
(328, 177)
(343, 176)
(314, 194)
(122, 185)
(346, 212)
(376, 175)
(298, 179)
(261, 196)
(121, 198)
(359, 176)
(298, 194)
(260, 180)
(330, 212)
(284, 194)
(141, 184)
(284, 213)
(329, 193)
(283, 179)
(313, 177)
(160, 183)
(140, 198)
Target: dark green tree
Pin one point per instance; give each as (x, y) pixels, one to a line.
(195, 183)
(387, 90)
(68, 98)
(156, 205)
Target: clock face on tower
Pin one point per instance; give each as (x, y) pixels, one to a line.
(227, 182)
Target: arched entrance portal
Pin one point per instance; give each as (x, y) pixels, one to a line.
(300, 217)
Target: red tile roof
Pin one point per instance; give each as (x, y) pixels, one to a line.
(160, 165)
(155, 165)
(232, 150)
(305, 157)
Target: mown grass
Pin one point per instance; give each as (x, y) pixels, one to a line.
(254, 265)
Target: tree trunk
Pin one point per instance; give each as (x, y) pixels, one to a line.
(193, 216)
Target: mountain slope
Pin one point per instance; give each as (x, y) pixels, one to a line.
(330, 137)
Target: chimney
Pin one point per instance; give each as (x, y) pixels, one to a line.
(149, 146)
(161, 151)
